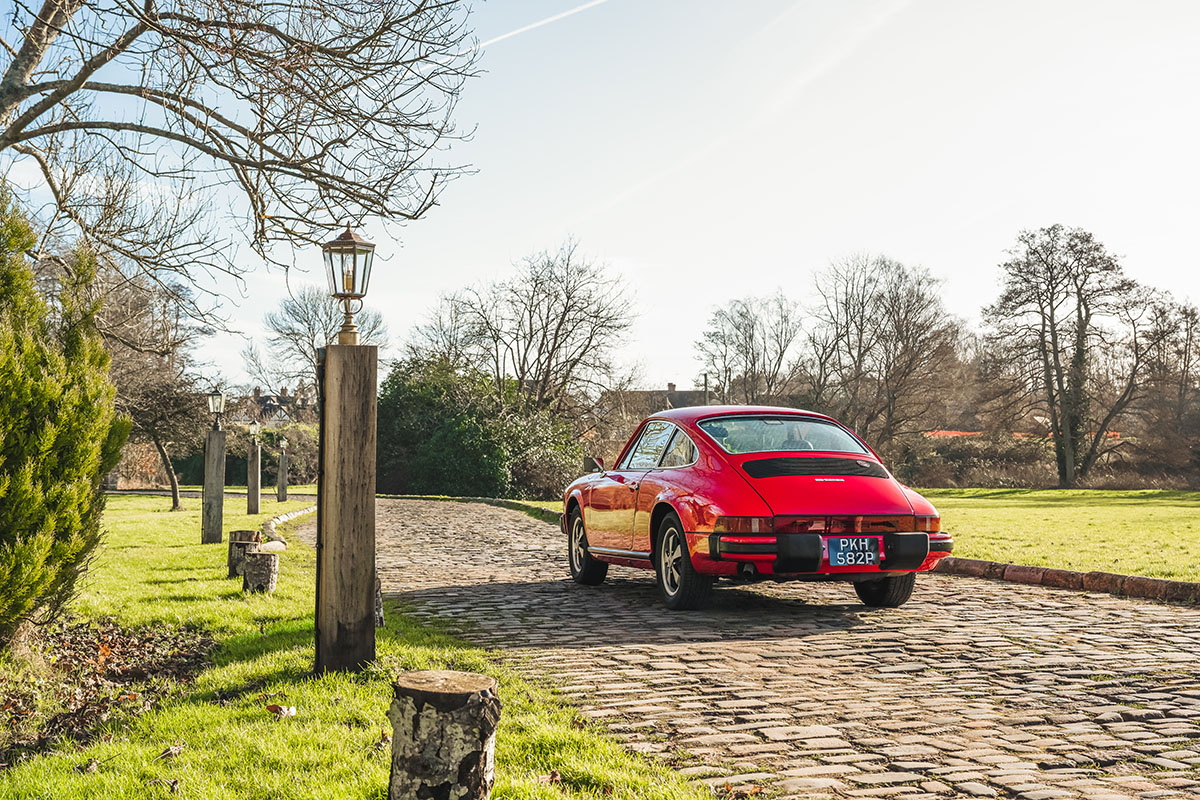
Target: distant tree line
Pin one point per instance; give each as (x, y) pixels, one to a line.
(1079, 375)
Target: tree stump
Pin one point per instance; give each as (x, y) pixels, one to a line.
(260, 572)
(239, 543)
(443, 735)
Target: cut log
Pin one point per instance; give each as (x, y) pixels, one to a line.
(239, 543)
(260, 572)
(443, 735)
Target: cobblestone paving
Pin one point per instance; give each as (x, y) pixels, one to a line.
(974, 688)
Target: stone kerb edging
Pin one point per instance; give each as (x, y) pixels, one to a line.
(1128, 585)
(268, 527)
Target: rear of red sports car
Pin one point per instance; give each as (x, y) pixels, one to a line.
(768, 493)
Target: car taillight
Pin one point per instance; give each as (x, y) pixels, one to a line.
(744, 525)
(928, 523)
(799, 525)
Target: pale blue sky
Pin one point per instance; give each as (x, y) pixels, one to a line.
(710, 149)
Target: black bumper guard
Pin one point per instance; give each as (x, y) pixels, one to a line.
(802, 552)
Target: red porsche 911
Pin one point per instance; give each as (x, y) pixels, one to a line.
(751, 493)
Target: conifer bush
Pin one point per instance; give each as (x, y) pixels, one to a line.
(58, 431)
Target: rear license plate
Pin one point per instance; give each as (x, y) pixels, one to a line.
(853, 551)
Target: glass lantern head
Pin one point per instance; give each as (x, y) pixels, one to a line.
(216, 402)
(348, 260)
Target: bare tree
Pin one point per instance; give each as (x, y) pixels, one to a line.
(545, 335)
(305, 322)
(142, 118)
(748, 346)
(880, 338)
(150, 341)
(1069, 312)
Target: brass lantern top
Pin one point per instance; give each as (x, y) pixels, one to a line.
(348, 260)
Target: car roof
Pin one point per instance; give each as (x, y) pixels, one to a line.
(693, 414)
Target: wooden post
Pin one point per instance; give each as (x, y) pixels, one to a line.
(281, 479)
(213, 513)
(345, 618)
(253, 477)
(443, 735)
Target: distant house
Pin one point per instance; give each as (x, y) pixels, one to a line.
(275, 410)
(644, 402)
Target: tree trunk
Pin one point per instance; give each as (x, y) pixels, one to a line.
(444, 735)
(176, 503)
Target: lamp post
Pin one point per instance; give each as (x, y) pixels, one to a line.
(253, 473)
(213, 504)
(281, 478)
(346, 381)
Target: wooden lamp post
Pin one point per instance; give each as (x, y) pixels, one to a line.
(253, 470)
(213, 504)
(346, 372)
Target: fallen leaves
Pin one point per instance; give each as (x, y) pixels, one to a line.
(282, 712)
(553, 778)
(100, 674)
(170, 752)
(731, 792)
(172, 784)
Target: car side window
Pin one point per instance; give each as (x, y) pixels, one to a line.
(649, 448)
(680, 452)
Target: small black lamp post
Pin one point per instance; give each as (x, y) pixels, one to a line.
(213, 504)
(216, 407)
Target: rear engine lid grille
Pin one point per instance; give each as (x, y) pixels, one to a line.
(813, 465)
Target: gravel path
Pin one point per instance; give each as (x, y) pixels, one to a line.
(974, 688)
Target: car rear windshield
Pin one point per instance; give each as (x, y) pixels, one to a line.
(766, 434)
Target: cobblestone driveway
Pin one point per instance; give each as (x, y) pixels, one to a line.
(973, 688)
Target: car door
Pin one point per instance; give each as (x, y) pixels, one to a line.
(614, 494)
(679, 453)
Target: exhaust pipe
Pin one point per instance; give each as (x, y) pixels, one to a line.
(747, 571)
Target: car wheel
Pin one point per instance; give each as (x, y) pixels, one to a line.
(584, 568)
(679, 584)
(891, 592)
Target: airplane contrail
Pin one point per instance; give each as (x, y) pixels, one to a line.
(540, 23)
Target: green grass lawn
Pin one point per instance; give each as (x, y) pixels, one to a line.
(154, 572)
(1151, 533)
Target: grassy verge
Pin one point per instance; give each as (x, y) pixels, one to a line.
(154, 572)
(1150, 533)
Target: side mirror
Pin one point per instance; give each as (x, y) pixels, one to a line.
(593, 464)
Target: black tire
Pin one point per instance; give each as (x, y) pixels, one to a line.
(584, 568)
(680, 586)
(891, 592)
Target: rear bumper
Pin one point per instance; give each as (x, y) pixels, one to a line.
(805, 553)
